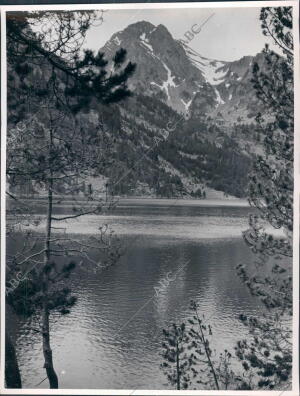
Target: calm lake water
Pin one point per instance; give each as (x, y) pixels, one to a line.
(112, 337)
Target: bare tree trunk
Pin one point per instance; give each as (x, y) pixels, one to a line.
(177, 366)
(210, 363)
(12, 372)
(47, 351)
(48, 365)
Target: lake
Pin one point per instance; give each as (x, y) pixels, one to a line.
(112, 337)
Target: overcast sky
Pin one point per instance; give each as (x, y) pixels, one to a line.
(229, 34)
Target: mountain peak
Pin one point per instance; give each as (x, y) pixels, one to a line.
(162, 33)
(140, 27)
(162, 28)
(173, 72)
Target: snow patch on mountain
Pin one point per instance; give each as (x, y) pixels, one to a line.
(186, 155)
(186, 104)
(116, 40)
(213, 71)
(146, 43)
(168, 83)
(149, 46)
(219, 99)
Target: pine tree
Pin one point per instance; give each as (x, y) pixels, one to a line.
(189, 359)
(200, 336)
(269, 353)
(58, 45)
(178, 363)
(55, 149)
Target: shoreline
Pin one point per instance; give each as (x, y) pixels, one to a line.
(121, 200)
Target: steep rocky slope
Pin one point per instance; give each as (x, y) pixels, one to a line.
(173, 72)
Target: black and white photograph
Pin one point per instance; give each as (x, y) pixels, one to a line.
(149, 198)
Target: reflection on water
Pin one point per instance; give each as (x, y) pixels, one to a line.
(111, 338)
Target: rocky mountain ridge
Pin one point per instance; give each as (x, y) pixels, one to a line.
(190, 83)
